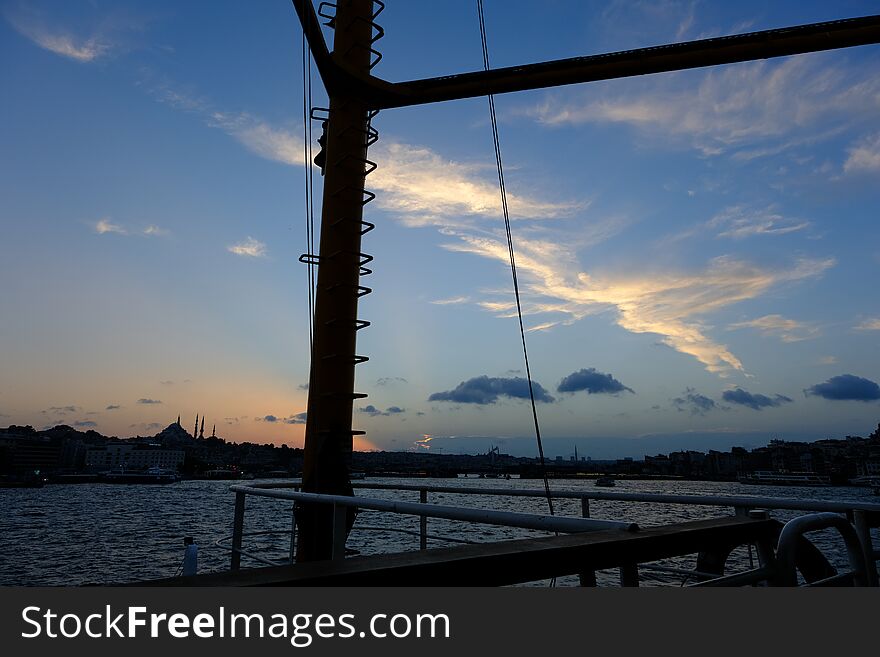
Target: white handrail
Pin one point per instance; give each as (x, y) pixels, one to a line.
(661, 498)
(485, 516)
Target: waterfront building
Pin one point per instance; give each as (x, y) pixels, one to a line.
(114, 456)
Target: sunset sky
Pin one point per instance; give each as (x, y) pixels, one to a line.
(698, 251)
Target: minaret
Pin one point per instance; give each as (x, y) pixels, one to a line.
(196, 428)
(202, 432)
(178, 421)
(214, 432)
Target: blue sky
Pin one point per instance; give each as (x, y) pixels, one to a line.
(698, 251)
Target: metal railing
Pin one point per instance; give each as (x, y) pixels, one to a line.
(859, 518)
(786, 552)
(423, 510)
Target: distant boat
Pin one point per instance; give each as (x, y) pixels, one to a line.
(870, 481)
(606, 481)
(220, 473)
(782, 478)
(153, 475)
(276, 474)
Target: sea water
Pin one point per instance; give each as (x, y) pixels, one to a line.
(79, 534)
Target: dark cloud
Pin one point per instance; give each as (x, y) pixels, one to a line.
(593, 382)
(420, 413)
(299, 418)
(487, 390)
(694, 402)
(61, 410)
(230, 420)
(151, 425)
(846, 387)
(754, 401)
(303, 386)
(85, 423)
(389, 380)
(372, 411)
(113, 407)
(144, 400)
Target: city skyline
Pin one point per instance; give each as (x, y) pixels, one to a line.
(696, 249)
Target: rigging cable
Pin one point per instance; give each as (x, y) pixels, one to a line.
(309, 182)
(504, 207)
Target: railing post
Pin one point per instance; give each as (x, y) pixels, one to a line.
(587, 577)
(237, 531)
(423, 522)
(629, 574)
(340, 531)
(292, 553)
(863, 531)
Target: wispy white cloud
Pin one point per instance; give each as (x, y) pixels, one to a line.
(684, 27)
(66, 45)
(628, 23)
(249, 247)
(103, 226)
(56, 39)
(276, 143)
(261, 138)
(739, 222)
(415, 183)
(864, 156)
(155, 231)
(828, 360)
(542, 327)
(870, 324)
(424, 188)
(787, 330)
(673, 305)
(730, 107)
(451, 301)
